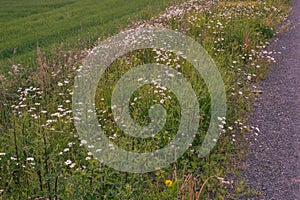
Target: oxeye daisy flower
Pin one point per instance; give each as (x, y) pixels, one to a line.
(68, 162)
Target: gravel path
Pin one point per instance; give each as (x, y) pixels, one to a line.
(273, 160)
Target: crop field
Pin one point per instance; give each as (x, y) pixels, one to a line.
(24, 24)
(43, 45)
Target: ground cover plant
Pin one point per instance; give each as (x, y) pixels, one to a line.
(41, 154)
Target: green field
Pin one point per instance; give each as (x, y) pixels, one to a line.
(24, 24)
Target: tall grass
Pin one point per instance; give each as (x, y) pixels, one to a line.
(41, 156)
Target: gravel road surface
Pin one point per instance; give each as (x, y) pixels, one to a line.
(273, 161)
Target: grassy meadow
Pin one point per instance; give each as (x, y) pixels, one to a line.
(42, 46)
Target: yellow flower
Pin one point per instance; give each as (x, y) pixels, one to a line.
(168, 183)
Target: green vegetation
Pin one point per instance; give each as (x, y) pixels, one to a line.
(49, 23)
(41, 155)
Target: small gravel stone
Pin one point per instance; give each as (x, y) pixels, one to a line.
(274, 169)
